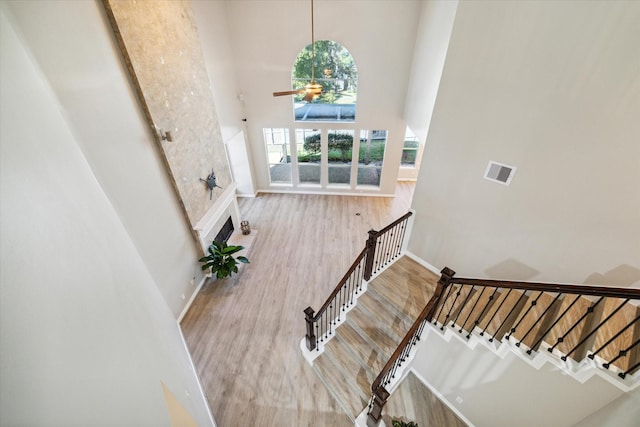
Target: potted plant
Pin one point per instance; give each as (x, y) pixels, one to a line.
(400, 423)
(221, 261)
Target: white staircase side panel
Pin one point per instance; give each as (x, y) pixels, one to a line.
(530, 390)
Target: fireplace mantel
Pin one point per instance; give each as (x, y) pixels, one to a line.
(209, 225)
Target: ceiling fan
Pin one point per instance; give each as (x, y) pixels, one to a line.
(311, 90)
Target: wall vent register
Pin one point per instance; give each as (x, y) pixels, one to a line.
(499, 172)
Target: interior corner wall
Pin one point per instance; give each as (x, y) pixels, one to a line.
(432, 41)
(86, 336)
(551, 88)
(75, 49)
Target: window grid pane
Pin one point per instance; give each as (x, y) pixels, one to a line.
(336, 72)
(340, 145)
(409, 151)
(308, 151)
(278, 154)
(371, 156)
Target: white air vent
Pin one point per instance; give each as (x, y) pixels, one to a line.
(498, 172)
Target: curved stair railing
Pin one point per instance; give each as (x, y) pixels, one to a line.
(570, 322)
(381, 249)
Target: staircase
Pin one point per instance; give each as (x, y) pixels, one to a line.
(363, 335)
(583, 331)
(372, 331)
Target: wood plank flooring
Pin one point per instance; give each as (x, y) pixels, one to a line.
(413, 401)
(244, 333)
(372, 332)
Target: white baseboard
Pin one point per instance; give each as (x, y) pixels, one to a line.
(193, 297)
(326, 192)
(422, 262)
(195, 373)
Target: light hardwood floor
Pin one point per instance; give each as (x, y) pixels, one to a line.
(429, 412)
(244, 333)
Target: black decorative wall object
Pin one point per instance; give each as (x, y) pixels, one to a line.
(212, 182)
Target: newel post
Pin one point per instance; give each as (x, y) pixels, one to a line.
(371, 253)
(311, 336)
(446, 274)
(380, 397)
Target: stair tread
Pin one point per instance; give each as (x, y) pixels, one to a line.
(347, 396)
(501, 316)
(362, 348)
(477, 308)
(530, 323)
(397, 323)
(618, 321)
(372, 330)
(353, 368)
(408, 286)
(562, 330)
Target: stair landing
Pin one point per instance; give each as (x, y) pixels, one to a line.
(372, 332)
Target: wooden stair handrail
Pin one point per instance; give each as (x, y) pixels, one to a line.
(425, 314)
(337, 289)
(394, 223)
(374, 234)
(598, 291)
(376, 252)
(405, 341)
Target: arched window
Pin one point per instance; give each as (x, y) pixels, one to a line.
(335, 70)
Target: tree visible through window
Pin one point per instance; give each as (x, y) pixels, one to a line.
(336, 71)
(278, 154)
(371, 156)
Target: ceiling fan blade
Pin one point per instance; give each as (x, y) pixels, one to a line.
(289, 92)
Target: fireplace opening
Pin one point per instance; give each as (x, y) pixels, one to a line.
(225, 232)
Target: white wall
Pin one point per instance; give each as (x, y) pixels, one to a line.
(624, 411)
(505, 392)
(86, 336)
(73, 45)
(553, 89)
(266, 37)
(432, 41)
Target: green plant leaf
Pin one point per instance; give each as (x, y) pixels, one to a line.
(232, 249)
(220, 260)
